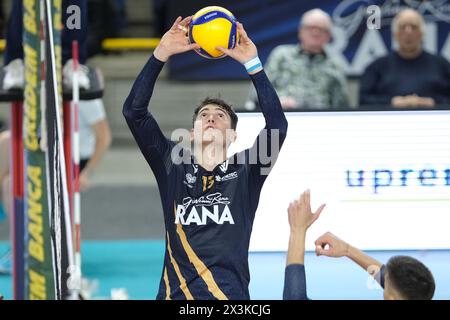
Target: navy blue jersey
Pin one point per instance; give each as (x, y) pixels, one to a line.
(208, 215)
(294, 282)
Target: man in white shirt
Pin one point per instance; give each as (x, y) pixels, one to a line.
(95, 139)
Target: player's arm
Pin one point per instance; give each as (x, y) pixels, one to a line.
(300, 219)
(331, 246)
(152, 142)
(174, 41)
(246, 53)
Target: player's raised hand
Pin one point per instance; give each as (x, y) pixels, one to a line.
(244, 50)
(300, 215)
(175, 40)
(331, 246)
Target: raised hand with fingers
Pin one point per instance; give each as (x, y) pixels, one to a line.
(175, 40)
(244, 50)
(300, 214)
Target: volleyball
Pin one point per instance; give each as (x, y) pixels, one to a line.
(212, 27)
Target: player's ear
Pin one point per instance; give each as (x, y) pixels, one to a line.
(231, 135)
(234, 136)
(191, 135)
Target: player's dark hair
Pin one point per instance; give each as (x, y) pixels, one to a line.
(222, 105)
(410, 278)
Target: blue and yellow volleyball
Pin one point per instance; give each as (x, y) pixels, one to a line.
(212, 27)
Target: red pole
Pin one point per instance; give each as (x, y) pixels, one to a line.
(76, 156)
(17, 221)
(67, 119)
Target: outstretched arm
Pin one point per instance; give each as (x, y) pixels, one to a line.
(174, 41)
(149, 137)
(300, 219)
(245, 53)
(331, 246)
(269, 141)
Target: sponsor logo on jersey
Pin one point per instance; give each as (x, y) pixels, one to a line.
(213, 207)
(190, 178)
(224, 166)
(229, 176)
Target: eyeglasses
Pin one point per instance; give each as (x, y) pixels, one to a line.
(404, 26)
(317, 29)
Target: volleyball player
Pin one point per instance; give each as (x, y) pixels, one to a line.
(209, 200)
(402, 278)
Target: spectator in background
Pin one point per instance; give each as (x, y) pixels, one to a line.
(304, 76)
(409, 77)
(13, 56)
(95, 139)
(402, 278)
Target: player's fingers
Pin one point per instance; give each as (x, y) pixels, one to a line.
(193, 46)
(320, 251)
(322, 240)
(242, 33)
(185, 22)
(224, 50)
(316, 215)
(318, 212)
(291, 206)
(301, 197)
(307, 197)
(176, 23)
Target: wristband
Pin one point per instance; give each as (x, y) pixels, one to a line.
(253, 64)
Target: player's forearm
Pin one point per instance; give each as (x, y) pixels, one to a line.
(136, 104)
(365, 261)
(296, 248)
(269, 102)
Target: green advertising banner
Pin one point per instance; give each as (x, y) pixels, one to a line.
(39, 273)
(57, 29)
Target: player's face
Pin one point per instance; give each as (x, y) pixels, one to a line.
(409, 33)
(213, 124)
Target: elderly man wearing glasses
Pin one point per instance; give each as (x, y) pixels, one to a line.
(303, 75)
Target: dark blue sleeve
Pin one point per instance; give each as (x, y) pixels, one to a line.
(295, 283)
(269, 103)
(155, 147)
(271, 138)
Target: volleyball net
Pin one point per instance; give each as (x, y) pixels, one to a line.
(43, 245)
